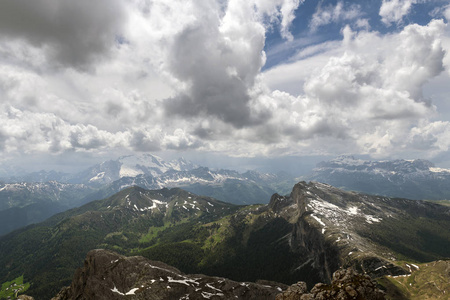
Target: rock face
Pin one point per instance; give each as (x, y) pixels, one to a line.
(107, 275)
(329, 227)
(346, 285)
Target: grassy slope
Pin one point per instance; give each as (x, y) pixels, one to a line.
(430, 281)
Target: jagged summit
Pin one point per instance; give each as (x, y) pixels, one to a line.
(108, 275)
(350, 228)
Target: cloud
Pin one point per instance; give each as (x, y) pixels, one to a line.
(447, 13)
(187, 75)
(369, 98)
(287, 12)
(279, 12)
(71, 33)
(393, 11)
(333, 14)
(217, 57)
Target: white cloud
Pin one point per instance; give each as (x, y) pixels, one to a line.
(393, 11)
(370, 97)
(287, 11)
(279, 11)
(333, 14)
(187, 75)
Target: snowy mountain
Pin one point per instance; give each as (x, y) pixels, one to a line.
(225, 185)
(33, 197)
(413, 179)
(129, 166)
(25, 193)
(25, 203)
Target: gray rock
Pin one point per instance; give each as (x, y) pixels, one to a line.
(346, 285)
(107, 275)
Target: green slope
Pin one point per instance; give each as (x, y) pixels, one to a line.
(48, 253)
(202, 235)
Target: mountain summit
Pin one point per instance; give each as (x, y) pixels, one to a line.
(130, 166)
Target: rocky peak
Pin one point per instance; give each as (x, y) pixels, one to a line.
(346, 285)
(108, 275)
(278, 202)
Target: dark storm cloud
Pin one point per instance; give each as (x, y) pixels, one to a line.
(218, 77)
(74, 33)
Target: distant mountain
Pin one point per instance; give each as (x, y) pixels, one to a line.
(32, 198)
(129, 166)
(25, 193)
(302, 237)
(226, 185)
(412, 179)
(151, 172)
(25, 203)
(40, 176)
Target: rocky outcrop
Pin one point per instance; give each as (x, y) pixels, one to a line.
(332, 228)
(107, 275)
(346, 285)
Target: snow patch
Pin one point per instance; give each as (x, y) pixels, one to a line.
(353, 210)
(97, 177)
(370, 219)
(128, 171)
(132, 291)
(318, 220)
(115, 290)
(439, 170)
(213, 288)
(209, 295)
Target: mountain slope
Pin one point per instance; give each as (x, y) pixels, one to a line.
(25, 203)
(305, 236)
(54, 248)
(26, 193)
(412, 179)
(426, 281)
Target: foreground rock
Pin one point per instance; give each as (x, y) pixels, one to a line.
(107, 275)
(346, 285)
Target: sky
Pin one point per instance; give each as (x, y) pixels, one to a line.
(245, 83)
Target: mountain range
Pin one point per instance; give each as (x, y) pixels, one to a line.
(305, 236)
(413, 179)
(31, 198)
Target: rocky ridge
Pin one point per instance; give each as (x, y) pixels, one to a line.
(107, 275)
(333, 228)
